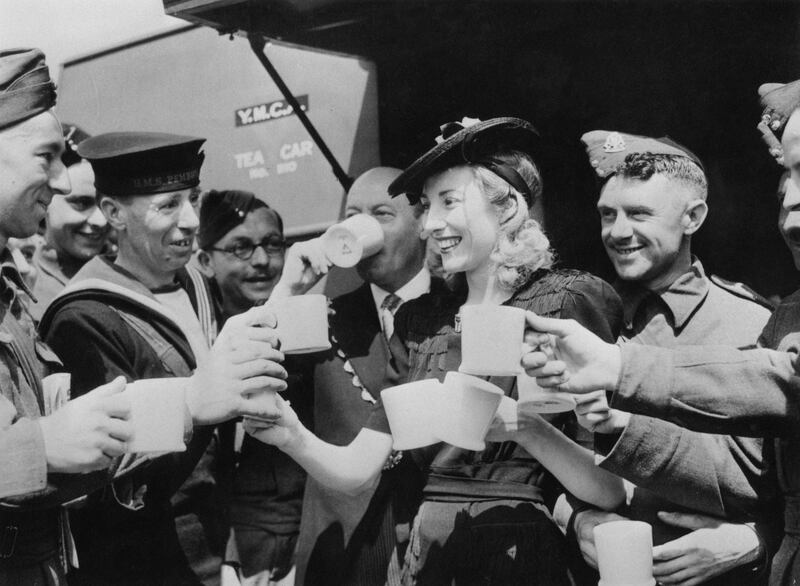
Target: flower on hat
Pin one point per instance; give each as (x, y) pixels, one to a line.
(451, 128)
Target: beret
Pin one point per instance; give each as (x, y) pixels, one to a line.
(25, 86)
(471, 141)
(73, 136)
(779, 100)
(221, 212)
(607, 149)
(143, 163)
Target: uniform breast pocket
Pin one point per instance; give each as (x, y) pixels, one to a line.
(22, 369)
(55, 382)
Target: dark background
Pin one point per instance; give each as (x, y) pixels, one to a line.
(686, 69)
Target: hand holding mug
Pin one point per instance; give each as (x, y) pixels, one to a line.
(568, 357)
(87, 432)
(242, 372)
(304, 265)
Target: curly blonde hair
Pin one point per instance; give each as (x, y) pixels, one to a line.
(522, 247)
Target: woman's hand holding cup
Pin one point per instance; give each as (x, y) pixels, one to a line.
(279, 432)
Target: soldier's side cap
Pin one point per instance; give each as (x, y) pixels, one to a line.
(221, 212)
(25, 86)
(779, 100)
(143, 163)
(472, 142)
(608, 149)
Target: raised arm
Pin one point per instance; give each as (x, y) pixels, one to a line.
(571, 464)
(713, 389)
(352, 468)
(304, 266)
(227, 384)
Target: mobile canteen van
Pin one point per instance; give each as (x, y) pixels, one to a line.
(194, 81)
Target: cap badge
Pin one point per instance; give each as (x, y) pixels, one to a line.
(614, 143)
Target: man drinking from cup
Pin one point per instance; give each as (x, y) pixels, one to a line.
(147, 316)
(652, 202)
(350, 539)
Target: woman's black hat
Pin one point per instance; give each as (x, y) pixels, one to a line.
(471, 142)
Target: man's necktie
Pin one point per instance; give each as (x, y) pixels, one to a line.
(389, 305)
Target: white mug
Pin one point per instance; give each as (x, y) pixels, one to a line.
(468, 405)
(157, 414)
(624, 553)
(413, 410)
(491, 339)
(302, 323)
(346, 243)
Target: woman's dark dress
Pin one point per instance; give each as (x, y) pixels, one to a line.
(484, 516)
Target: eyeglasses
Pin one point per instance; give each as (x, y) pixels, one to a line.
(245, 249)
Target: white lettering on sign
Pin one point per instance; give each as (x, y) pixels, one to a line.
(278, 110)
(288, 167)
(245, 116)
(295, 150)
(260, 113)
(249, 159)
(268, 111)
(258, 173)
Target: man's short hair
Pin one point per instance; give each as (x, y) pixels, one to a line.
(643, 166)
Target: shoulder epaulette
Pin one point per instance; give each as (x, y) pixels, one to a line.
(742, 290)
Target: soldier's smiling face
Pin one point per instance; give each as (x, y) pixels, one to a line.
(31, 172)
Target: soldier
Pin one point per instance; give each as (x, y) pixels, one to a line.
(710, 389)
(38, 446)
(652, 202)
(75, 228)
(242, 248)
(53, 450)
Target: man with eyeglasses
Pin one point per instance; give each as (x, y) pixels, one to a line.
(241, 244)
(242, 250)
(147, 315)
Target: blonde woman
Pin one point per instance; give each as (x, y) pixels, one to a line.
(483, 517)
